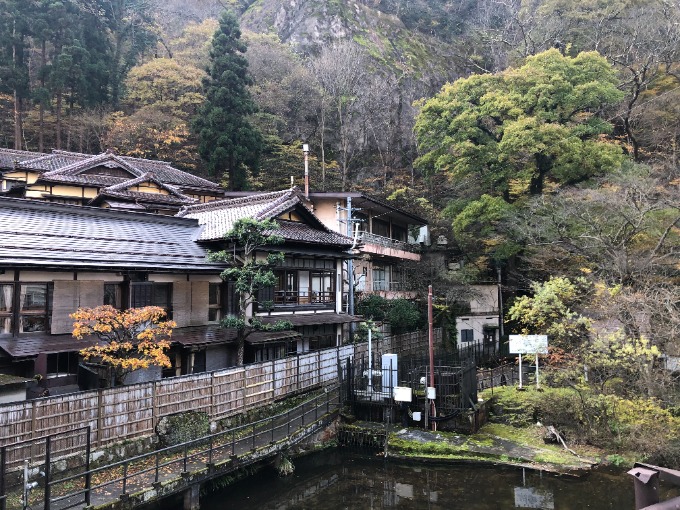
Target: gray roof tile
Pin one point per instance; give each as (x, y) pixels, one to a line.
(219, 217)
(34, 233)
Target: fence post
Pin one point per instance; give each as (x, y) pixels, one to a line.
(48, 489)
(273, 380)
(3, 464)
(272, 430)
(233, 443)
(297, 384)
(125, 470)
(88, 475)
(185, 458)
(100, 416)
(253, 437)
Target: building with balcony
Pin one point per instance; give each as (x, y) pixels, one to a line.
(389, 240)
(55, 258)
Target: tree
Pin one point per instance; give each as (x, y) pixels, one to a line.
(228, 142)
(521, 132)
(250, 274)
(339, 70)
(130, 339)
(622, 231)
(550, 311)
(15, 20)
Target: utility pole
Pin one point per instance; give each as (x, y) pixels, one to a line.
(350, 263)
(305, 150)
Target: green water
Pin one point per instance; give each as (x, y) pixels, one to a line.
(338, 479)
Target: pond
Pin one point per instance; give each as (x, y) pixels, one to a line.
(337, 479)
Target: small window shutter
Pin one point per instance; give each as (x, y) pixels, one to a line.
(142, 294)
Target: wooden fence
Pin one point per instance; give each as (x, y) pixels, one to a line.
(128, 412)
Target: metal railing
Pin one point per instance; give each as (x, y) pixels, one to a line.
(119, 479)
(387, 242)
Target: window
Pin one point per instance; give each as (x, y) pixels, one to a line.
(25, 307)
(467, 335)
(215, 302)
(151, 294)
(62, 363)
(399, 233)
(113, 295)
(323, 287)
(379, 278)
(381, 228)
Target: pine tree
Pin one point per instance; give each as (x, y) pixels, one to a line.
(228, 142)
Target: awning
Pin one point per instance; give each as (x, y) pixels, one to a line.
(213, 335)
(311, 319)
(32, 344)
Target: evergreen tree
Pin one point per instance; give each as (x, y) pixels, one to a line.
(15, 17)
(228, 142)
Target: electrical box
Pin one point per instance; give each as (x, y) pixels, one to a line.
(416, 416)
(431, 393)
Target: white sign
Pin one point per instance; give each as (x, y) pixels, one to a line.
(529, 344)
(402, 393)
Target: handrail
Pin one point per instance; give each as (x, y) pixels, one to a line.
(258, 428)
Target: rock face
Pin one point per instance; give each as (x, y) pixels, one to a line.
(310, 24)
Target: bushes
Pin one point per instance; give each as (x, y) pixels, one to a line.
(402, 314)
(637, 426)
(182, 427)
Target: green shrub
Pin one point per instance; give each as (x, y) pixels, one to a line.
(182, 427)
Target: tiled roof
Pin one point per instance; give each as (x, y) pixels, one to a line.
(310, 319)
(219, 217)
(122, 191)
(34, 233)
(301, 232)
(32, 344)
(58, 165)
(210, 335)
(8, 157)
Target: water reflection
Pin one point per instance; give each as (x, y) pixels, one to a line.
(347, 480)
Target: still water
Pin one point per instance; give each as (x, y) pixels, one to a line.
(339, 479)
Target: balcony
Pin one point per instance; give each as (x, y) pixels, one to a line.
(283, 298)
(391, 247)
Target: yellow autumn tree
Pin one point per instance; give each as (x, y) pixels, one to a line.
(128, 339)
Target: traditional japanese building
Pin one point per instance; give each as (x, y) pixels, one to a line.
(105, 180)
(56, 257)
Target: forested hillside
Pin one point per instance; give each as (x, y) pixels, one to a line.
(540, 136)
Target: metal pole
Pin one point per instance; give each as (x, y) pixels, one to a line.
(369, 388)
(48, 461)
(430, 333)
(305, 149)
(537, 385)
(520, 371)
(88, 475)
(350, 269)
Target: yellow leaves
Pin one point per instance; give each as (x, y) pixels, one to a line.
(130, 339)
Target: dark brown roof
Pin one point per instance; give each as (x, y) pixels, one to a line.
(311, 319)
(30, 345)
(212, 335)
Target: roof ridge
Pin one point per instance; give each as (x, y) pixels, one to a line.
(231, 202)
(148, 176)
(79, 166)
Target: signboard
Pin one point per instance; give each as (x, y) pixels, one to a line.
(402, 393)
(529, 344)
